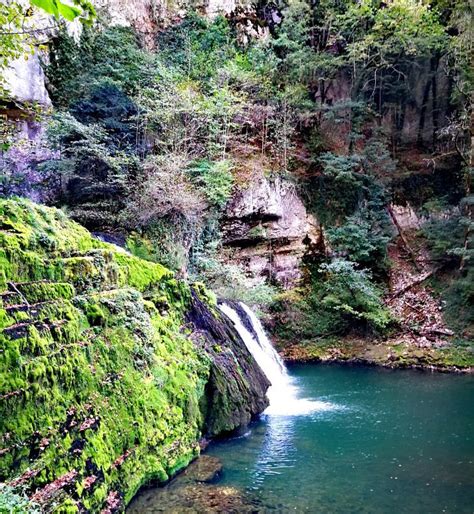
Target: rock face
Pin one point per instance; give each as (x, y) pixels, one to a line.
(235, 391)
(146, 15)
(417, 118)
(111, 368)
(268, 230)
(25, 81)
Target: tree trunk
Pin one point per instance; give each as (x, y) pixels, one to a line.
(402, 237)
(424, 105)
(434, 90)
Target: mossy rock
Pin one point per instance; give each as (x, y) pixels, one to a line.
(104, 383)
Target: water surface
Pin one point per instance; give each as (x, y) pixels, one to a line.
(382, 442)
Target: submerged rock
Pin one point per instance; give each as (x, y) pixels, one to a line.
(111, 368)
(204, 469)
(194, 498)
(190, 492)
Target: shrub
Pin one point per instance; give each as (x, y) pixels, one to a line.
(229, 281)
(361, 239)
(350, 294)
(214, 179)
(445, 236)
(164, 190)
(112, 54)
(197, 47)
(339, 299)
(165, 241)
(109, 106)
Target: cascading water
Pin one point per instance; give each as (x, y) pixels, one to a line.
(283, 393)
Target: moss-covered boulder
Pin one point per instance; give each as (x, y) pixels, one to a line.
(110, 368)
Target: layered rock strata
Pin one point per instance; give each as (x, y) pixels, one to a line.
(268, 230)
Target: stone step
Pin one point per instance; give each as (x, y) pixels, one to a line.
(42, 290)
(20, 330)
(58, 349)
(8, 298)
(25, 307)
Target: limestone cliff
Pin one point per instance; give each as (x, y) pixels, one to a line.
(112, 369)
(268, 230)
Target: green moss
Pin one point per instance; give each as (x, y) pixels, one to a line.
(94, 377)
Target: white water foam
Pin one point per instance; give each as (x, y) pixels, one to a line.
(283, 393)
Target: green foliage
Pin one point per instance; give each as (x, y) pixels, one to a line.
(340, 189)
(403, 28)
(229, 281)
(112, 55)
(188, 117)
(82, 9)
(164, 190)
(164, 242)
(450, 242)
(295, 59)
(90, 167)
(445, 237)
(350, 295)
(362, 240)
(106, 104)
(382, 44)
(197, 48)
(376, 159)
(15, 502)
(214, 179)
(342, 168)
(340, 299)
(459, 300)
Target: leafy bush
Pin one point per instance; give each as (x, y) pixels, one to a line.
(341, 167)
(340, 298)
(165, 190)
(229, 281)
(197, 47)
(362, 239)
(13, 501)
(445, 236)
(180, 115)
(111, 54)
(107, 105)
(165, 241)
(214, 179)
(350, 294)
(376, 159)
(88, 149)
(339, 190)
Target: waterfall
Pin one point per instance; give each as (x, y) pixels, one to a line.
(283, 393)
